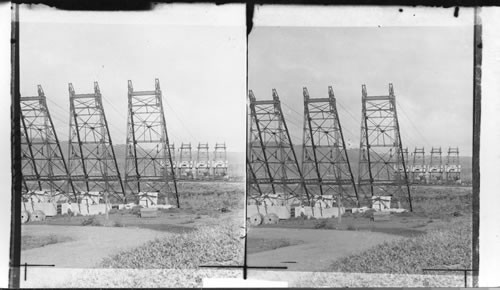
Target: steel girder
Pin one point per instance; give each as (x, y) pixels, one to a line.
(453, 168)
(380, 137)
(91, 156)
(325, 162)
(274, 168)
(149, 165)
(43, 165)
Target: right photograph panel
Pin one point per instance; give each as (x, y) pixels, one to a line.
(359, 154)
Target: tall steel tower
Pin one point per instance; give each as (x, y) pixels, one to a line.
(380, 136)
(453, 168)
(91, 156)
(325, 162)
(185, 164)
(220, 162)
(43, 164)
(418, 167)
(202, 161)
(275, 170)
(436, 165)
(149, 165)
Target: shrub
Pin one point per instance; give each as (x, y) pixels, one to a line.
(213, 245)
(136, 210)
(91, 221)
(113, 211)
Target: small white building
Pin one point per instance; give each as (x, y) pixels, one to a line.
(147, 199)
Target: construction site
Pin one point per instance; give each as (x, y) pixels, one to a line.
(364, 197)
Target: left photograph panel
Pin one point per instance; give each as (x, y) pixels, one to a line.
(132, 146)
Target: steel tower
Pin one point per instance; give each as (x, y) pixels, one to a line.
(275, 170)
(453, 168)
(220, 163)
(149, 165)
(418, 168)
(185, 164)
(436, 165)
(380, 136)
(202, 161)
(325, 162)
(91, 156)
(43, 165)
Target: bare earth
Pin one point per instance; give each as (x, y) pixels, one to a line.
(319, 250)
(89, 244)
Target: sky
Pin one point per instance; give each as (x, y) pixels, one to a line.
(429, 67)
(201, 68)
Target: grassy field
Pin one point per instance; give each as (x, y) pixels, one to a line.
(219, 245)
(33, 242)
(440, 248)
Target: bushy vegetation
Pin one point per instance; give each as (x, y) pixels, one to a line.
(91, 221)
(215, 245)
(451, 247)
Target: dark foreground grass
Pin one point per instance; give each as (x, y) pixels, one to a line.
(214, 245)
(446, 248)
(33, 242)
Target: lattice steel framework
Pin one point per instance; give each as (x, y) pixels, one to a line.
(43, 165)
(202, 161)
(325, 163)
(149, 165)
(275, 170)
(172, 154)
(436, 167)
(418, 167)
(185, 164)
(453, 168)
(91, 156)
(380, 136)
(220, 162)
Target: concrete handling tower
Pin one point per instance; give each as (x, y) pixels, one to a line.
(436, 167)
(203, 167)
(91, 157)
(418, 167)
(220, 162)
(325, 162)
(453, 168)
(44, 168)
(380, 136)
(185, 164)
(274, 169)
(149, 169)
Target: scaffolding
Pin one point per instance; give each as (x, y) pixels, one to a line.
(91, 157)
(149, 170)
(44, 168)
(325, 162)
(275, 175)
(380, 136)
